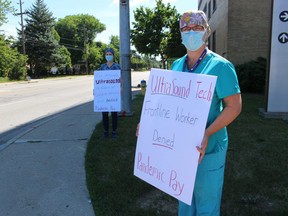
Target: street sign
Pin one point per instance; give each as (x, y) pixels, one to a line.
(283, 16)
(283, 37)
(277, 88)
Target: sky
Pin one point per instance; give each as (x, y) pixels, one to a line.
(106, 11)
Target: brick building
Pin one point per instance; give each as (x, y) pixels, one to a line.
(240, 28)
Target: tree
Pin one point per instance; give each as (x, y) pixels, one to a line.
(77, 32)
(5, 7)
(7, 58)
(95, 57)
(12, 63)
(61, 59)
(115, 42)
(175, 48)
(41, 40)
(137, 62)
(153, 30)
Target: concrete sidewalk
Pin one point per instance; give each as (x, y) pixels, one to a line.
(42, 172)
(42, 169)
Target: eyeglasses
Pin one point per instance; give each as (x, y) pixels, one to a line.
(194, 28)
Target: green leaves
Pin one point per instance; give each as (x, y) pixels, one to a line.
(5, 7)
(41, 40)
(154, 32)
(76, 31)
(12, 63)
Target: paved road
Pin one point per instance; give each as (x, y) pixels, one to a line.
(23, 104)
(42, 166)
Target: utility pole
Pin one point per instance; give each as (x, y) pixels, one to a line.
(86, 50)
(22, 25)
(126, 97)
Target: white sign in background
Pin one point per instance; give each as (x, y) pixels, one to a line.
(278, 88)
(173, 121)
(107, 93)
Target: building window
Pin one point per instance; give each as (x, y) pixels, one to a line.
(209, 42)
(205, 9)
(214, 41)
(214, 5)
(209, 10)
(199, 6)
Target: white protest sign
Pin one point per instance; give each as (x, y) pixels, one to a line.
(173, 121)
(107, 91)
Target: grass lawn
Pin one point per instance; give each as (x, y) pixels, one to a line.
(255, 177)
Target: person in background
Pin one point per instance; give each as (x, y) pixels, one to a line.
(109, 65)
(225, 107)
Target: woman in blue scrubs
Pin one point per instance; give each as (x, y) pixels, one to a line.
(225, 107)
(109, 65)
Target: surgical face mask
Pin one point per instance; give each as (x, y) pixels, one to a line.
(109, 57)
(193, 40)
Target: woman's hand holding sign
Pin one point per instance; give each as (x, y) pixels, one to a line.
(202, 148)
(137, 129)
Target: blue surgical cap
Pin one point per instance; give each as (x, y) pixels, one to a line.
(109, 50)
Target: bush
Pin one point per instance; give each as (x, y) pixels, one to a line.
(19, 71)
(12, 63)
(251, 75)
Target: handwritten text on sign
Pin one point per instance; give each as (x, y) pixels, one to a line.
(107, 91)
(173, 121)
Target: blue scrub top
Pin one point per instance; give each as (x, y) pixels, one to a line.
(114, 66)
(226, 85)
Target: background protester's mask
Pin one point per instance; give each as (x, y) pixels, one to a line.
(109, 58)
